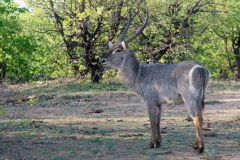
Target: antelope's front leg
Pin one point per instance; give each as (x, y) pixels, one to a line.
(159, 137)
(155, 116)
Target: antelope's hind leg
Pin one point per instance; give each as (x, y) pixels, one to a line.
(199, 137)
(194, 108)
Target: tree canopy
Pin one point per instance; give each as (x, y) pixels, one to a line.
(68, 38)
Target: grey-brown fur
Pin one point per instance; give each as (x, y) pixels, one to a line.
(158, 84)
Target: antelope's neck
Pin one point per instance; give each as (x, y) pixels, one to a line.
(129, 70)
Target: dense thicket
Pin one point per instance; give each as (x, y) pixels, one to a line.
(67, 38)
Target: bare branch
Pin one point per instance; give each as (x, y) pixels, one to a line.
(58, 23)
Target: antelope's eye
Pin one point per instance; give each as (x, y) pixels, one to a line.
(118, 50)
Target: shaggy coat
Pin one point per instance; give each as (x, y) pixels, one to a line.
(159, 84)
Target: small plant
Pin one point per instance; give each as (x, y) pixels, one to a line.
(2, 111)
(213, 102)
(23, 123)
(72, 154)
(60, 158)
(236, 117)
(210, 154)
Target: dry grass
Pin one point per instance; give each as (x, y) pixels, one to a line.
(62, 121)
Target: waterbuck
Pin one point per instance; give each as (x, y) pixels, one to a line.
(160, 83)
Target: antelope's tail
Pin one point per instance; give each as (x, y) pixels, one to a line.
(204, 76)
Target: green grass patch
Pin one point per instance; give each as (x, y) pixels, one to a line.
(212, 102)
(88, 86)
(72, 154)
(60, 158)
(224, 85)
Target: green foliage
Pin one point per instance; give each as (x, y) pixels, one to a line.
(109, 74)
(50, 59)
(16, 48)
(225, 26)
(31, 45)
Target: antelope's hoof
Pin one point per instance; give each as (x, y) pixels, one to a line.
(151, 145)
(158, 144)
(200, 149)
(195, 147)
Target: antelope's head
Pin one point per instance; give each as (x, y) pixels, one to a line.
(118, 51)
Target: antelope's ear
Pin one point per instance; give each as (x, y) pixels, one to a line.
(124, 45)
(110, 44)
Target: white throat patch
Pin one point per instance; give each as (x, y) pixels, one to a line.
(123, 63)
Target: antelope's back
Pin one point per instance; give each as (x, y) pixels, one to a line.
(166, 73)
(191, 75)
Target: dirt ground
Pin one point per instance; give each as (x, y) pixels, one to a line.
(61, 121)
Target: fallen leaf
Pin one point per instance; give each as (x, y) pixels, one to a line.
(188, 119)
(208, 125)
(131, 135)
(73, 137)
(164, 127)
(207, 129)
(165, 152)
(210, 135)
(96, 111)
(147, 126)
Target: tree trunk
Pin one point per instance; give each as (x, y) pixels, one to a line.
(93, 65)
(96, 73)
(236, 51)
(238, 66)
(75, 68)
(3, 71)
